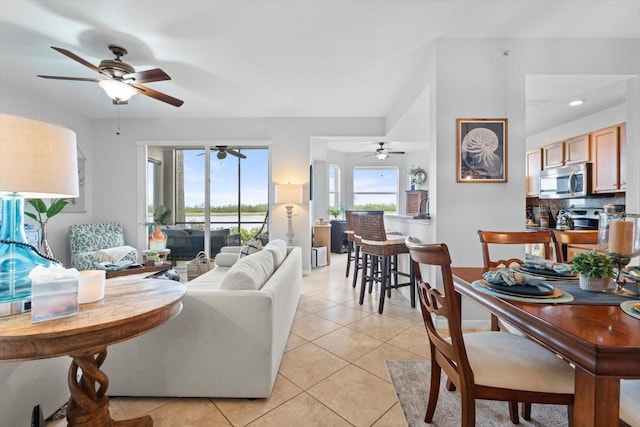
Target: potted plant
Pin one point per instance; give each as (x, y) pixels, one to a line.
(595, 270)
(157, 239)
(336, 211)
(41, 216)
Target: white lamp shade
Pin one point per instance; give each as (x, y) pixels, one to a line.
(288, 193)
(117, 90)
(37, 159)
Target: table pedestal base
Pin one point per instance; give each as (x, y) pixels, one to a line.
(89, 404)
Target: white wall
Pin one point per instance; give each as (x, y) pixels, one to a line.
(290, 138)
(28, 105)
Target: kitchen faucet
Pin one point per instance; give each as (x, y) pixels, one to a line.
(423, 214)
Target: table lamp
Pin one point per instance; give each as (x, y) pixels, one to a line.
(289, 194)
(37, 160)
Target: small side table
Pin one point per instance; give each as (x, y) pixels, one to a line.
(322, 237)
(162, 253)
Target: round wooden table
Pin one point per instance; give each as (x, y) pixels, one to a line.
(129, 308)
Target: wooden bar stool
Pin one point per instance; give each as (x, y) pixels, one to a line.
(380, 252)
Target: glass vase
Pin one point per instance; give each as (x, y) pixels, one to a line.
(44, 247)
(17, 257)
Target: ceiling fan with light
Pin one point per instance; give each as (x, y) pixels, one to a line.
(382, 153)
(122, 81)
(223, 150)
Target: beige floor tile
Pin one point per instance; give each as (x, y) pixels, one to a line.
(122, 408)
(414, 339)
(309, 364)
(358, 396)
(243, 411)
(189, 412)
(303, 410)
(375, 361)
(347, 343)
(294, 341)
(342, 314)
(312, 327)
(338, 294)
(379, 327)
(314, 304)
(392, 418)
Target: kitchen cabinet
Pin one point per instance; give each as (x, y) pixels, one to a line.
(606, 157)
(577, 150)
(414, 199)
(553, 154)
(623, 157)
(532, 170)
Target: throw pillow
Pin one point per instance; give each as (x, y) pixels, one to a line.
(250, 272)
(252, 246)
(278, 248)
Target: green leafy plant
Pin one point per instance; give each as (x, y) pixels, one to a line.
(42, 212)
(161, 215)
(336, 211)
(592, 264)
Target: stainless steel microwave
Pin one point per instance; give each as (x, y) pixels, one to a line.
(565, 182)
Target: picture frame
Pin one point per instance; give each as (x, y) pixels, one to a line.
(481, 150)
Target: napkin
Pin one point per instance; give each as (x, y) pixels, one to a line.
(545, 264)
(510, 277)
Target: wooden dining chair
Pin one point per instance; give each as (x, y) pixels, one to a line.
(572, 237)
(487, 365)
(490, 238)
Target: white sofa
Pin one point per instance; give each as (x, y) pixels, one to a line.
(224, 343)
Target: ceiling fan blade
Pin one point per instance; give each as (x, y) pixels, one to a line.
(395, 152)
(236, 153)
(154, 75)
(143, 90)
(78, 59)
(80, 79)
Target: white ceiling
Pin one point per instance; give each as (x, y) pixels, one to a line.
(261, 58)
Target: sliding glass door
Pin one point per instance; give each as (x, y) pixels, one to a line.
(237, 203)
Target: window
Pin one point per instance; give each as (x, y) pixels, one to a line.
(235, 208)
(334, 185)
(375, 188)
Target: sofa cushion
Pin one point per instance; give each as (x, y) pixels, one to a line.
(277, 248)
(252, 246)
(250, 272)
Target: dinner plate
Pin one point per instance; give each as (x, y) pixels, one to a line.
(541, 289)
(631, 308)
(545, 272)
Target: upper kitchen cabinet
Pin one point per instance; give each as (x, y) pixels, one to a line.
(607, 148)
(533, 168)
(577, 150)
(553, 154)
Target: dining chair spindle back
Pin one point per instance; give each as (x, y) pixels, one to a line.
(487, 365)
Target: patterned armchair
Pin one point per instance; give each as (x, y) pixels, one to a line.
(86, 239)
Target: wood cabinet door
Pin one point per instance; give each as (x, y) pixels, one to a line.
(606, 155)
(623, 156)
(553, 154)
(577, 150)
(533, 167)
(414, 199)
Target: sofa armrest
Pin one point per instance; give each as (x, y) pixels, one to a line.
(225, 259)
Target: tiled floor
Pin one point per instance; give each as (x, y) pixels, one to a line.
(333, 372)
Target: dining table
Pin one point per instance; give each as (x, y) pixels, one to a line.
(601, 341)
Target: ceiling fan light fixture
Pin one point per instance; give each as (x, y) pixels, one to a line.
(576, 102)
(381, 155)
(117, 90)
(221, 155)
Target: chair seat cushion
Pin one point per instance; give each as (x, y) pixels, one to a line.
(630, 402)
(500, 359)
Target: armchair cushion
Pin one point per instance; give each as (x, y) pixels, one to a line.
(86, 239)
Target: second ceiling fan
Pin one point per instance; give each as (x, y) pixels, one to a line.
(223, 150)
(382, 152)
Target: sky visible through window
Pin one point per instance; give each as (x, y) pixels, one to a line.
(224, 178)
(375, 186)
